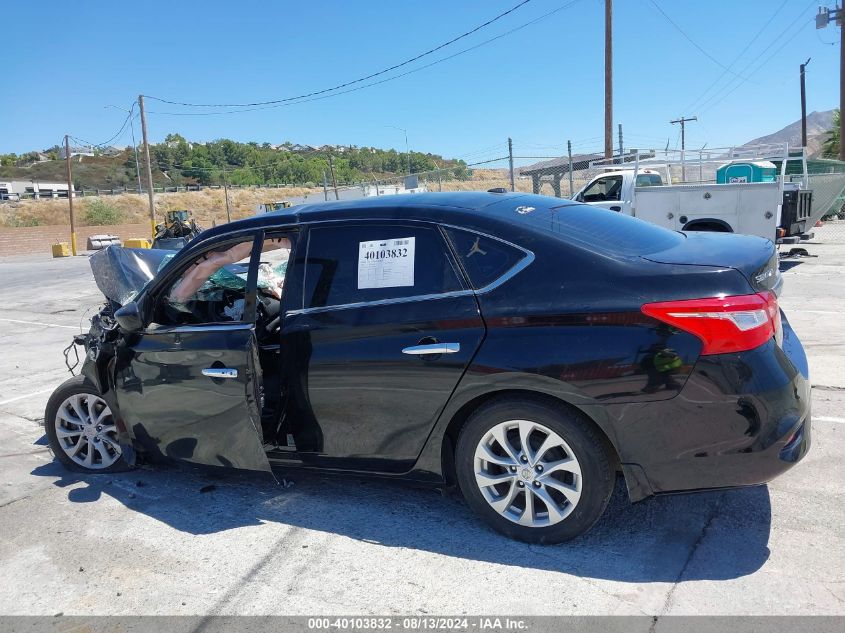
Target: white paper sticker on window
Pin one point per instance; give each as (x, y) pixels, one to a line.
(386, 263)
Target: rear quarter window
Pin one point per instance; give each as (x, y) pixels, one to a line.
(485, 259)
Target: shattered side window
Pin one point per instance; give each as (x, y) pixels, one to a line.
(273, 266)
(212, 288)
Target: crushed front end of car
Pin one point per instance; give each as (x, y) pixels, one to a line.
(120, 274)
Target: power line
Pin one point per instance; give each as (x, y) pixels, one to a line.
(693, 42)
(285, 103)
(713, 104)
(116, 135)
(733, 84)
(354, 81)
(691, 106)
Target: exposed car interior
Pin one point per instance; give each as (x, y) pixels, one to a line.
(603, 189)
(213, 290)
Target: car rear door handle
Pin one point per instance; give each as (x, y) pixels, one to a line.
(220, 372)
(433, 348)
(615, 208)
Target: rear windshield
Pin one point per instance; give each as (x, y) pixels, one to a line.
(611, 232)
(649, 180)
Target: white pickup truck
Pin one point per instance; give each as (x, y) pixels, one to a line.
(775, 210)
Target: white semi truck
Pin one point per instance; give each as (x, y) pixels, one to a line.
(777, 209)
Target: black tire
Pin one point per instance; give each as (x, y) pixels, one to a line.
(74, 386)
(708, 227)
(589, 448)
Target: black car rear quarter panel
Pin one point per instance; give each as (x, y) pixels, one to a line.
(569, 326)
(727, 428)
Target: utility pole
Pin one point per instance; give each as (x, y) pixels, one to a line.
(803, 106)
(510, 162)
(621, 160)
(334, 179)
(150, 192)
(407, 151)
(823, 18)
(226, 193)
(70, 196)
(407, 147)
(325, 187)
(682, 121)
(569, 151)
(608, 78)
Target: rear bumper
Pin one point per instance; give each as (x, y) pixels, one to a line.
(740, 420)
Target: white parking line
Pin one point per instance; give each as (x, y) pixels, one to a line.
(825, 418)
(800, 311)
(29, 395)
(69, 327)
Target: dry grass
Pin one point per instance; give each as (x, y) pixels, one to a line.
(209, 205)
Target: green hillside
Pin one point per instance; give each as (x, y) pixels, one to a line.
(180, 162)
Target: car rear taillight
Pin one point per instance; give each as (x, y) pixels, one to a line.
(724, 324)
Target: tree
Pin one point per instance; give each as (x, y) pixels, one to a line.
(830, 147)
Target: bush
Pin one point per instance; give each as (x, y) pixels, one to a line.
(99, 212)
(15, 221)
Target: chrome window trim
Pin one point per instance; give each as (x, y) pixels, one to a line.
(514, 270)
(506, 276)
(381, 302)
(517, 268)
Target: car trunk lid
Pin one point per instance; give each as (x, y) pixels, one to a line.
(752, 256)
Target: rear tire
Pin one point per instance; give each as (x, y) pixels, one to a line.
(709, 227)
(81, 430)
(552, 492)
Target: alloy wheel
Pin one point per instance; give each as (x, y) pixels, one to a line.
(86, 431)
(528, 473)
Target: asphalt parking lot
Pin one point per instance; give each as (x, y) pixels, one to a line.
(166, 540)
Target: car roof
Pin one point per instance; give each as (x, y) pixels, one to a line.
(444, 207)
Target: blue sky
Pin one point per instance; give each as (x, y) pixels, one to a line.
(540, 85)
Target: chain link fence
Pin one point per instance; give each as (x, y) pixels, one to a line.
(829, 207)
(562, 171)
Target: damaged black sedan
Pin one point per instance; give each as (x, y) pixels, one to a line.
(522, 348)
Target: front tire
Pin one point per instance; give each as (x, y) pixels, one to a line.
(81, 430)
(533, 470)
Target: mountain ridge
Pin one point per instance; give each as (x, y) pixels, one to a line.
(818, 126)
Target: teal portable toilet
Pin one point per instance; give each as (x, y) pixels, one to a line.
(747, 171)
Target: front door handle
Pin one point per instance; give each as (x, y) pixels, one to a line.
(433, 348)
(220, 372)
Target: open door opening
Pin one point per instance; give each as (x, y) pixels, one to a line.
(200, 381)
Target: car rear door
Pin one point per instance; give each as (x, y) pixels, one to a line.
(386, 331)
(190, 392)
